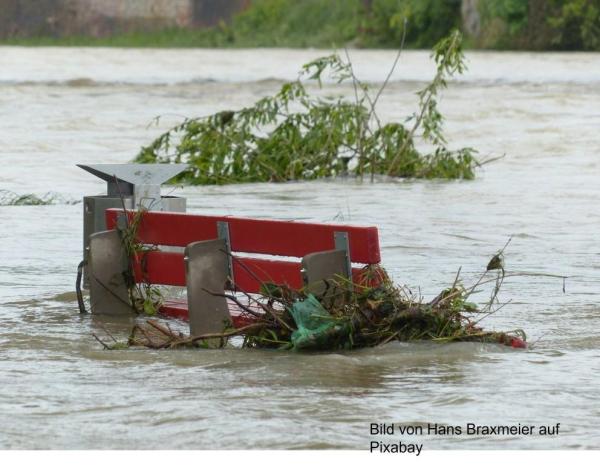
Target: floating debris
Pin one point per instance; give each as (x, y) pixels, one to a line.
(9, 198)
(299, 134)
(345, 316)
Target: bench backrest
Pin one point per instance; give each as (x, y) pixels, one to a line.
(246, 235)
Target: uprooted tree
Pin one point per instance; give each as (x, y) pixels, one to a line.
(294, 135)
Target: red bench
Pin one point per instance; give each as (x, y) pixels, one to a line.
(213, 247)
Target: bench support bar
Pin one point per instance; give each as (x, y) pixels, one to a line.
(107, 268)
(320, 267)
(206, 269)
(223, 233)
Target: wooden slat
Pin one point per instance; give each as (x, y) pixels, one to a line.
(250, 272)
(177, 309)
(168, 268)
(273, 237)
(157, 267)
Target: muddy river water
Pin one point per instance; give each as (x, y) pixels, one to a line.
(59, 389)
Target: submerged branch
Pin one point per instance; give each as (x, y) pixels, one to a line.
(294, 135)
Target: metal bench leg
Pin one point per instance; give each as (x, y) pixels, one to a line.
(320, 267)
(207, 269)
(107, 267)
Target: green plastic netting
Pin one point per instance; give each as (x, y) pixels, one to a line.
(317, 329)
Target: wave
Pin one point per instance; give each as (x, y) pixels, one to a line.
(85, 82)
(88, 67)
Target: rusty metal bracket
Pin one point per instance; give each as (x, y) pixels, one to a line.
(223, 233)
(342, 242)
(206, 270)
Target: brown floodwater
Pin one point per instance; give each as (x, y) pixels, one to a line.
(59, 389)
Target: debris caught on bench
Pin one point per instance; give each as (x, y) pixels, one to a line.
(359, 309)
(345, 317)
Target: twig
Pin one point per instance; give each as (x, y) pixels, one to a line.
(235, 300)
(122, 197)
(490, 160)
(158, 327)
(492, 312)
(392, 69)
(270, 311)
(236, 332)
(359, 122)
(250, 272)
(424, 107)
(80, 301)
(107, 332)
(392, 337)
(440, 297)
(145, 334)
(101, 342)
(358, 82)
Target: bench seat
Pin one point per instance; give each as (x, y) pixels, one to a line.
(178, 309)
